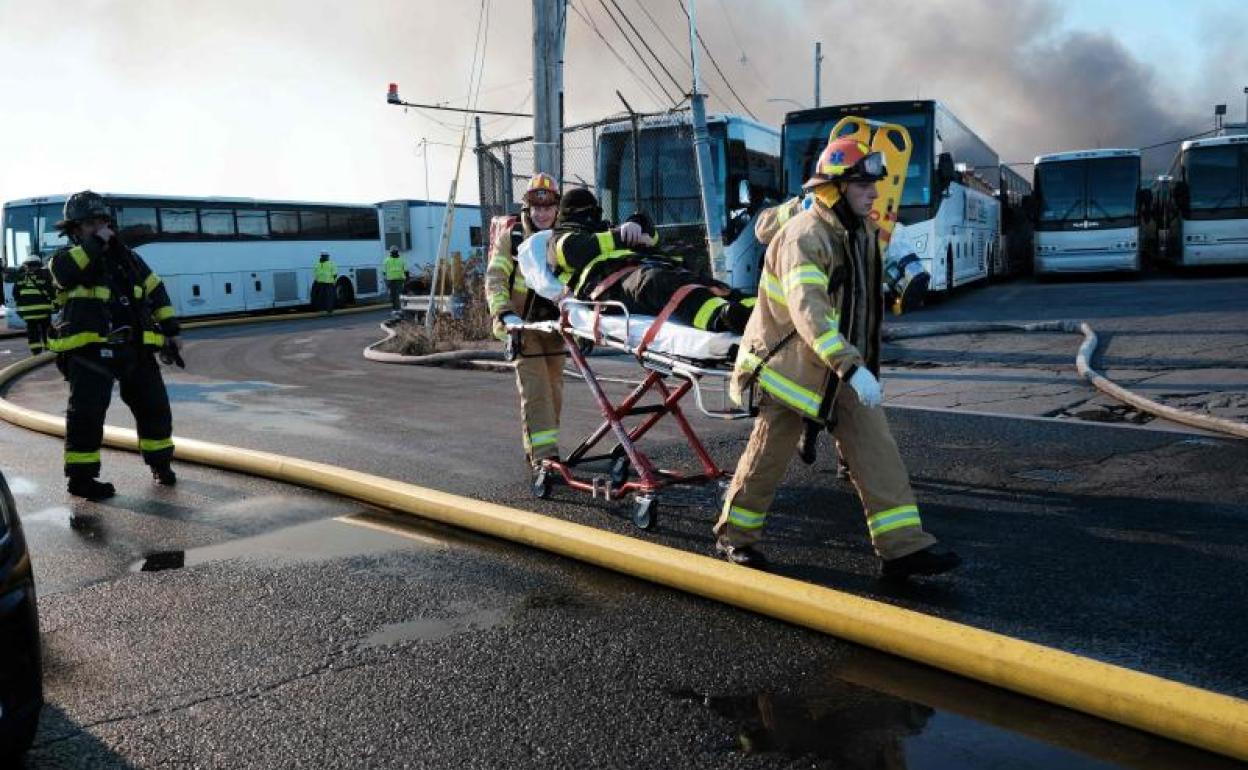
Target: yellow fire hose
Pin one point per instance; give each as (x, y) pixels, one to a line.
(1180, 712)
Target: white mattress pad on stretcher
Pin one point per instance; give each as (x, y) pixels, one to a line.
(673, 338)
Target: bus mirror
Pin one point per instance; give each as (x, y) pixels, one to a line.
(1144, 201)
(1181, 195)
(946, 171)
(744, 197)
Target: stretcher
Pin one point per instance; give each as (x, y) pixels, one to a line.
(676, 360)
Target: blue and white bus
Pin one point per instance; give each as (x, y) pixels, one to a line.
(1086, 206)
(221, 255)
(1206, 219)
(657, 174)
(949, 214)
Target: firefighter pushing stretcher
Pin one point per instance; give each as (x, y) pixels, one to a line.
(812, 349)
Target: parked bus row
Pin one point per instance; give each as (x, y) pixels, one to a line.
(233, 255)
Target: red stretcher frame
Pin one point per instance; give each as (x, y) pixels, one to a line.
(632, 471)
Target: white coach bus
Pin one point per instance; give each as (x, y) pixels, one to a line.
(949, 214)
(221, 255)
(1206, 217)
(1086, 207)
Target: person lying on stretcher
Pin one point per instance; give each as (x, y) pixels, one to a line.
(590, 260)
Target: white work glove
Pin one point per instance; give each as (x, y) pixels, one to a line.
(870, 394)
(633, 235)
(511, 319)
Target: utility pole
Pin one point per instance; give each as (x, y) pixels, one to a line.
(818, 73)
(1246, 106)
(702, 151)
(549, 26)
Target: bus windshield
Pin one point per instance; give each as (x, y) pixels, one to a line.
(31, 229)
(1102, 190)
(1215, 180)
(669, 182)
(804, 141)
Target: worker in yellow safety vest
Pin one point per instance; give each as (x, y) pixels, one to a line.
(539, 364)
(812, 347)
(395, 270)
(324, 286)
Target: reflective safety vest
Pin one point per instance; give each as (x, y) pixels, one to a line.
(326, 272)
(394, 268)
(99, 309)
(32, 294)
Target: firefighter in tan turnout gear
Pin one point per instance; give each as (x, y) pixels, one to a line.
(539, 365)
(812, 349)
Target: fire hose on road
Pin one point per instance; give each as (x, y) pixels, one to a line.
(1180, 712)
(1083, 363)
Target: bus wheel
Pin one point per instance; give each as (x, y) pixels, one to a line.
(344, 295)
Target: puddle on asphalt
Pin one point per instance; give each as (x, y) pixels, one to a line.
(217, 392)
(433, 629)
(873, 711)
(21, 486)
(320, 540)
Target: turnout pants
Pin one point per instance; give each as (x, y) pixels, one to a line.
(648, 290)
(91, 373)
(539, 377)
(863, 437)
(396, 288)
(323, 296)
(37, 334)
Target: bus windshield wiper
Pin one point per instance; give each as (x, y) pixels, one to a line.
(1065, 217)
(1104, 213)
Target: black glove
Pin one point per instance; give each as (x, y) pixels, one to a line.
(170, 355)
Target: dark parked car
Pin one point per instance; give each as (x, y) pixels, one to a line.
(21, 676)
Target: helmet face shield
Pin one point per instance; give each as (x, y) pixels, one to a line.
(872, 165)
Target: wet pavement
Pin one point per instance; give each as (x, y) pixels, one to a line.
(302, 629)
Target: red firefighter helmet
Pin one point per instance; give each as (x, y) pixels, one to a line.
(846, 160)
(542, 191)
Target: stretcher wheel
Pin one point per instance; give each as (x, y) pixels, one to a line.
(542, 485)
(619, 471)
(646, 513)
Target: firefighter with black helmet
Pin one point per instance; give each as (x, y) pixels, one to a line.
(116, 318)
(539, 365)
(812, 348)
(34, 297)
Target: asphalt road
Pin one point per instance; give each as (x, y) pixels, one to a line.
(293, 637)
(1181, 340)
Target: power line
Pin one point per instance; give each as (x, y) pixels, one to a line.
(646, 43)
(633, 45)
(746, 61)
(590, 23)
(711, 56)
(679, 53)
(1145, 148)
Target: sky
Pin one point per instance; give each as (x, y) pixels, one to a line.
(286, 98)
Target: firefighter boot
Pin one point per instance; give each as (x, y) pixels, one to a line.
(164, 475)
(91, 489)
(932, 560)
(745, 555)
